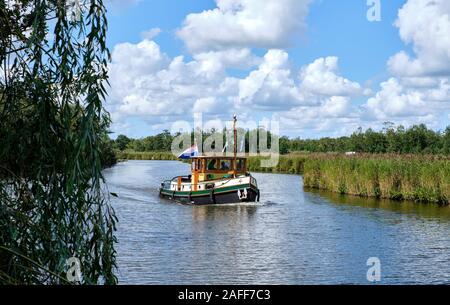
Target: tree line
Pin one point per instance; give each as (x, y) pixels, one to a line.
(417, 139)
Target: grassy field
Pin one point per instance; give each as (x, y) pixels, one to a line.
(399, 177)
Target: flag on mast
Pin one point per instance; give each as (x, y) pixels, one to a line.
(189, 153)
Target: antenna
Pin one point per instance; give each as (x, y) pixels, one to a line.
(235, 142)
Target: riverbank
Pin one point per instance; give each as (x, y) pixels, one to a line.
(136, 155)
(421, 178)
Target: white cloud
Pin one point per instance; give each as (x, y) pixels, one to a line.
(244, 24)
(393, 101)
(399, 100)
(334, 116)
(208, 105)
(426, 25)
(420, 88)
(336, 106)
(130, 60)
(321, 78)
(146, 83)
(270, 86)
(150, 34)
(217, 61)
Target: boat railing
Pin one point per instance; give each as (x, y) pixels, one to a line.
(166, 184)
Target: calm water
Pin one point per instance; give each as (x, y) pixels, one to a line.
(291, 237)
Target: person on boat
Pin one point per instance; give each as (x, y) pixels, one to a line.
(212, 164)
(224, 166)
(239, 165)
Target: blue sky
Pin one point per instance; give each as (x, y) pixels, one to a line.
(319, 67)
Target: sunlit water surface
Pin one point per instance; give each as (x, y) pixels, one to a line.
(291, 237)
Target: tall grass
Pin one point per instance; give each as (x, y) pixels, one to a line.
(399, 177)
(291, 164)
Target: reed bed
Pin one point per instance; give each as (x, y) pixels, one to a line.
(290, 164)
(398, 177)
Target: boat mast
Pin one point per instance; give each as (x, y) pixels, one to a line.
(235, 143)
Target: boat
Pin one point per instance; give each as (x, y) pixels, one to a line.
(213, 180)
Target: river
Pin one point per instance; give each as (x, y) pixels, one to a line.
(291, 237)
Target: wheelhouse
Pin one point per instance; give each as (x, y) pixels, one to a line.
(214, 168)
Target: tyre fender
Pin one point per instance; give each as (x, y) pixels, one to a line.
(212, 196)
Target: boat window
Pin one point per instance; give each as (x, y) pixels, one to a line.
(196, 165)
(212, 164)
(240, 164)
(225, 165)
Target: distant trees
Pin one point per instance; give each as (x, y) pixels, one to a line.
(159, 142)
(446, 141)
(417, 139)
(121, 142)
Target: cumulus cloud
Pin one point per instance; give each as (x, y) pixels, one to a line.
(321, 77)
(218, 61)
(398, 99)
(244, 24)
(334, 116)
(426, 25)
(148, 84)
(393, 101)
(150, 34)
(420, 88)
(207, 105)
(273, 87)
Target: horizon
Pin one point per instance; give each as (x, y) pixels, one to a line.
(210, 131)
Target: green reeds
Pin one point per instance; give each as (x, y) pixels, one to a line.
(291, 164)
(399, 177)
